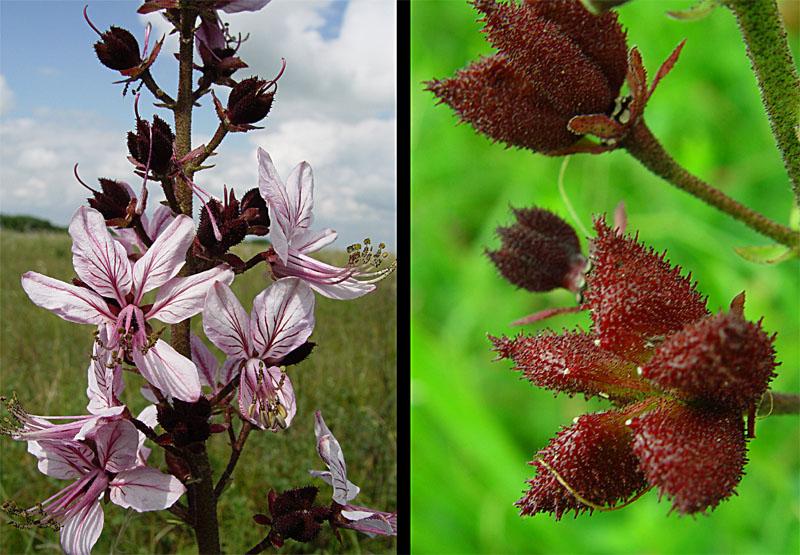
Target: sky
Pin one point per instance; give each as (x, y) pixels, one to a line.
(335, 107)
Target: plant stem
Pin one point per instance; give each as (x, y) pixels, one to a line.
(212, 144)
(203, 502)
(765, 37)
(236, 451)
(152, 86)
(773, 403)
(643, 146)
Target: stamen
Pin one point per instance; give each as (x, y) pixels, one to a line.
(89, 21)
(147, 30)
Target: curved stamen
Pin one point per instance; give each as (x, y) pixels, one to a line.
(89, 21)
(147, 30)
(75, 173)
(274, 81)
(197, 190)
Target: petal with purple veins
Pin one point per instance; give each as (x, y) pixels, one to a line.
(282, 318)
(70, 302)
(145, 489)
(183, 297)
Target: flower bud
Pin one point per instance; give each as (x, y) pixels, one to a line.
(694, 456)
(115, 201)
(118, 49)
(540, 252)
(159, 152)
(255, 212)
(250, 101)
(722, 359)
(591, 461)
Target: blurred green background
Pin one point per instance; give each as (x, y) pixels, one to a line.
(351, 377)
(474, 423)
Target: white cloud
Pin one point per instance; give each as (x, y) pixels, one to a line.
(6, 96)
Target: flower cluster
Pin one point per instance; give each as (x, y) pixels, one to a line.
(681, 380)
(555, 78)
(114, 272)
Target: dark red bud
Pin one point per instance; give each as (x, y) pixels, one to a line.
(293, 500)
(540, 252)
(186, 422)
(232, 228)
(635, 296)
(162, 145)
(255, 212)
(722, 359)
(118, 49)
(250, 101)
(693, 455)
(262, 519)
(594, 459)
(113, 201)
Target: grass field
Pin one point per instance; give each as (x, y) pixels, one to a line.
(350, 377)
(475, 425)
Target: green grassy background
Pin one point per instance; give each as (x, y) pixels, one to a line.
(350, 377)
(474, 423)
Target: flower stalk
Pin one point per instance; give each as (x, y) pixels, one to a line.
(765, 38)
(644, 146)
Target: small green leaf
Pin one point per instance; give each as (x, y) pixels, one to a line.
(693, 13)
(766, 254)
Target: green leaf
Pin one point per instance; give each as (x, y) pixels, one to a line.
(766, 254)
(694, 13)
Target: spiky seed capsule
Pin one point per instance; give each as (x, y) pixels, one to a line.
(693, 455)
(112, 201)
(722, 359)
(635, 295)
(117, 49)
(163, 139)
(594, 458)
(250, 101)
(540, 252)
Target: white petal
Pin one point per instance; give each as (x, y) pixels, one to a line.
(311, 241)
(290, 205)
(206, 362)
(165, 257)
(99, 260)
(145, 489)
(244, 6)
(331, 454)
(229, 370)
(226, 323)
(105, 377)
(183, 297)
(161, 219)
(282, 318)
(64, 459)
(70, 302)
(169, 371)
(117, 445)
(149, 416)
(81, 530)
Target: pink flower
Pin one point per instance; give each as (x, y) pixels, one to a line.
(153, 227)
(290, 212)
(108, 466)
(111, 295)
(281, 321)
(362, 519)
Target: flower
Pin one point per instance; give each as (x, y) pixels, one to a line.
(362, 519)
(556, 76)
(540, 252)
(290, 213)
(281, 321)
(107, 466)
(111, 291)
(680, 378)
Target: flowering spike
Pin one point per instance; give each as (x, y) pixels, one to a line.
(589, 462)
(635, 295)
(694, 456)
(723, 359)
(540, 252)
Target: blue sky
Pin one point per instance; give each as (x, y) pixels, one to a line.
(59, 106)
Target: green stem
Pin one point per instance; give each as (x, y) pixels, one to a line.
(765, 38)
(643, 146)
(773, 403)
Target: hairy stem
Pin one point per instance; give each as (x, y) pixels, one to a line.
(765, 37)
(212, 145)
(643, 146)
(204, 502)
(260, 546)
